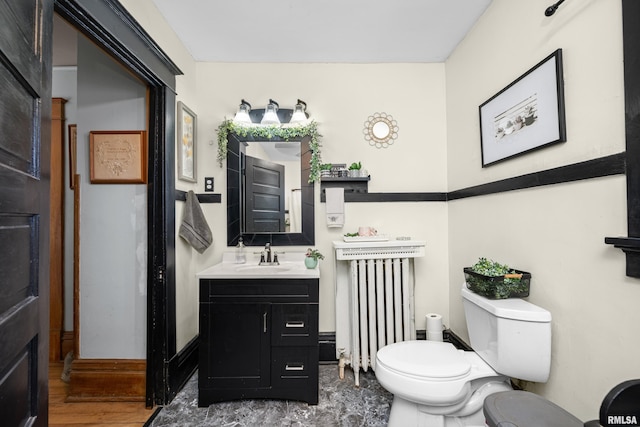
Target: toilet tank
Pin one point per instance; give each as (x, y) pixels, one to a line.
(512, 335)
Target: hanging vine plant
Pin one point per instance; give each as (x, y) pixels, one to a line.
(287, 133)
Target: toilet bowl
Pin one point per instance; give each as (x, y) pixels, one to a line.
(436, 385)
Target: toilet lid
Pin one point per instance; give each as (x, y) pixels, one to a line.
(431, 359)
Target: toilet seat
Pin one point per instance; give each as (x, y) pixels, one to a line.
(429, 359)
(430, 372)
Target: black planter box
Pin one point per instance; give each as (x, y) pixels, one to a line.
(498, 287)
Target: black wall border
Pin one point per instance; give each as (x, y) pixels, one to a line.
(614, 164)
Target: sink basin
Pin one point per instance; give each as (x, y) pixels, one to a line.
(263, 269)
(291, 268)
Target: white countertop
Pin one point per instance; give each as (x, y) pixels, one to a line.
(291, 267)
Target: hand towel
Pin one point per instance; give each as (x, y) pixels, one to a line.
(335, 207)
(194, 228)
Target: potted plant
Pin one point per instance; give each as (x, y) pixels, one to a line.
(355, 170)
(325, 170)
(311, 258)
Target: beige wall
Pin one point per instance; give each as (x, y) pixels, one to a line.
(340, 97)
(555, 232)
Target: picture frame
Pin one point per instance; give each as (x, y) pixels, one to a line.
(187, 143)
(72, 133)
(526, 115)
(118, 157)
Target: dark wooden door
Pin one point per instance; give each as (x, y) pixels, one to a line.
(264, 196)
(25, 115)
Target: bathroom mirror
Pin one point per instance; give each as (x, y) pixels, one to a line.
(380, 130)
(269, 198)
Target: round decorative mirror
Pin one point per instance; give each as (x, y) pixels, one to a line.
(380, 130)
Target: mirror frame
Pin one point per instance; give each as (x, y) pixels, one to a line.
(378, 141)
(236, 146)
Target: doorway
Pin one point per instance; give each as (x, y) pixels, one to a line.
(110, 27)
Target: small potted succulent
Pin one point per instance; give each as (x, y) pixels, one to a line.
(311, 258)
(325, 170)
(356, 171)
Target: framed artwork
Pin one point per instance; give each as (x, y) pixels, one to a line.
(118, 157)
(526, 115)
(187, 125)
(73, 144)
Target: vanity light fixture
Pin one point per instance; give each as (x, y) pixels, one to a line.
(271, 114)
(299, 113)
(242, 116)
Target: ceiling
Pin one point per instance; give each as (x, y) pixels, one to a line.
(325, 31)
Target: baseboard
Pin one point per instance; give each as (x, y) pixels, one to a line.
(327, 347)
(327, 343)
(67, 343)
(107, 380)
(181, 368)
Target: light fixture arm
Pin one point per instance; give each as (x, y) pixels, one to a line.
(552, 9)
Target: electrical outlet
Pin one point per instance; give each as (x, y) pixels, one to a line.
(208, 184)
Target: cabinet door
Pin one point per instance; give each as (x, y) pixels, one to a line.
(238, 345)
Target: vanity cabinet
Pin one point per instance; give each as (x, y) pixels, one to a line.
(258, 339)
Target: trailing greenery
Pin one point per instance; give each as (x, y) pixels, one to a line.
(287, 133)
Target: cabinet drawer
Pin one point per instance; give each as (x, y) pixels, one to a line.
(271, 290)
(294, 366)
(294, 324)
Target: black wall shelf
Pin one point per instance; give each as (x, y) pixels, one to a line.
(351, 185)
(202, 198)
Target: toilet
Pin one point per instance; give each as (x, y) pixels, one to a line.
(436, 385)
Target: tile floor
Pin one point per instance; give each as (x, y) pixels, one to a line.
(340, 404)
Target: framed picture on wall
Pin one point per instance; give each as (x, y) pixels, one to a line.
(73, 144)
(187, 125)
(118, 157)
(526, 115)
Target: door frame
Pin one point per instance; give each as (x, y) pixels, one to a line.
(108, 24)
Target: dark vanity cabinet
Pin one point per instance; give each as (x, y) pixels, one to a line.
(258, 339)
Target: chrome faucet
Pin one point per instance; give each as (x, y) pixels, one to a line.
(269, 260)
(267, 249)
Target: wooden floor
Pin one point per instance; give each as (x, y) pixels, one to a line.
(61, 414)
